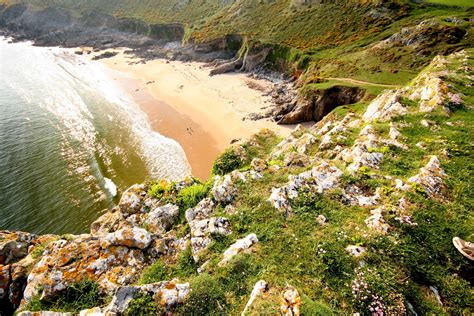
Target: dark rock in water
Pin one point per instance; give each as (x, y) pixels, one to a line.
(105, 55)
(79, 52)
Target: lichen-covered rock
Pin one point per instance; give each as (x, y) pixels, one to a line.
(203, 226)
(430, 178)
(108, 222)
(167, 293)
(161, 218)
(65, 262)
(385, 107)
(131, 238)
(290, 302)
(132, 199)
(14, 245)
(239, 246)
(225, 187)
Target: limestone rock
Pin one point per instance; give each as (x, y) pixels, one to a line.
(168, 293)
(86, 257)
(259, 288)
(224, 188)
(322, 177)
(385, 107)
(131, 238)
(291, 144)
(161, 218)
(239, 246)
(291, 302)
(203, 226)
(96, 311)
(376, 220)
(431, 178)
(295, 159)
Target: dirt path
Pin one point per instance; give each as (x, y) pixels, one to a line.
(355, 81)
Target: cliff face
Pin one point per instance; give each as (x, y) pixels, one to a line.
(353, 214)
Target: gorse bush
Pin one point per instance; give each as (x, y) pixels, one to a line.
(76, 297)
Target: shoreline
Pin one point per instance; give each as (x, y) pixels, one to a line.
(203, 114)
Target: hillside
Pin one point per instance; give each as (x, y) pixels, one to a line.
(330, 38)
(355, 214)
(352, 214)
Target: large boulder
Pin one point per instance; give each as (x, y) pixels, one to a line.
(131, 238)
(107, 261)
(203, 226)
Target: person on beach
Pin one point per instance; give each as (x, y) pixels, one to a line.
(464, 247)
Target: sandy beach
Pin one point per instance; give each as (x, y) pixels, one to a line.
(202, 113)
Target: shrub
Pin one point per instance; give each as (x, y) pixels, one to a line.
(74, 298)
(190, 196)
(314, 308)
(186, 266)
(206, 297)
(159, 189)
(154, 273)
(227, 162)
(142, 305)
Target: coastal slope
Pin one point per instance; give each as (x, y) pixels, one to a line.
(354, 214)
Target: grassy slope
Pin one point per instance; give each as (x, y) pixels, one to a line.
(399, 266)
(320, 41)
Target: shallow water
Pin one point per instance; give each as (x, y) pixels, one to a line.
(70, 141)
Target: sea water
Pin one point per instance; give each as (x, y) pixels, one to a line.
(70, 141)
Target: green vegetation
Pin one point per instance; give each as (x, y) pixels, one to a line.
(159, 271)
(76, 297)
(229, 160)
(399, 267)
(142, 305)
(459, 3)
(206, 298)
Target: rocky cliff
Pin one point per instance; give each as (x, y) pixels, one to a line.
(354, 214)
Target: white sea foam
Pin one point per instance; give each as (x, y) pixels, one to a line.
(110, 186)
(61, 76)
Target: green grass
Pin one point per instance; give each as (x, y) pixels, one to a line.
(459, 3)
(76, 297)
